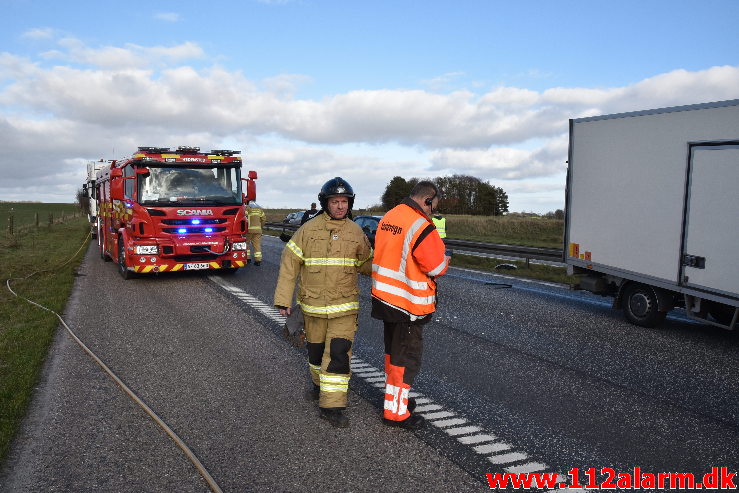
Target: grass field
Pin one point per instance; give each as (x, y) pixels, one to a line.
(27, 213)
(513, 230)
(26, 331)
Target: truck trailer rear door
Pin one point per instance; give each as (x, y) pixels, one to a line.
(711, 234)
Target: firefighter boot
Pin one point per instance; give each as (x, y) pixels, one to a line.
(313, 393)
(412, 423)
(335, 416)
(411, 404)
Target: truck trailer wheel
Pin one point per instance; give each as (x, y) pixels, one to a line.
(639, 303)
(122, 269)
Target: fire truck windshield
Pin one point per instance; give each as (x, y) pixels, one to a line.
(182, 186)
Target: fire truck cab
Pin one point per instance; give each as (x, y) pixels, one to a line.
(167, 211)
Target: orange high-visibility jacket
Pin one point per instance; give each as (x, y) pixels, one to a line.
(408, 254)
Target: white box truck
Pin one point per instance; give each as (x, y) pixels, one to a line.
(652, 211)
(88, 190)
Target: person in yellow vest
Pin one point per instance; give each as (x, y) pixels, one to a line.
(256, 219)
(326, 254)
(440, 223)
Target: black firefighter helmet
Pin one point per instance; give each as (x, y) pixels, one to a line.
(336, 187)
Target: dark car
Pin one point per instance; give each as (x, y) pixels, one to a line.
(293, 218)
(369, 226)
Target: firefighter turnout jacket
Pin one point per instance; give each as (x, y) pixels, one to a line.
(326, 254)
(409, 254)
(256, 218)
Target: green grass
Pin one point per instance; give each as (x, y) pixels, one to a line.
(532, 271)
(25, 330)
(25, 214)
(511, 230)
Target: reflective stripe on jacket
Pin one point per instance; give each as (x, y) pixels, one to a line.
(408, 254)
(326, 254)
(256, 219)
(440, 224)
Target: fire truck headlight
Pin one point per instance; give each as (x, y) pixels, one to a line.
(147, 249)
(241, 245)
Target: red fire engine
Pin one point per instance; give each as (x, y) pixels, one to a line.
(166, 211)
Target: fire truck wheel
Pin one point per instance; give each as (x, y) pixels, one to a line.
(125, 273)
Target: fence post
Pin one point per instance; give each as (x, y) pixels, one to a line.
(36, 219)
(10, 224)
(51, 219)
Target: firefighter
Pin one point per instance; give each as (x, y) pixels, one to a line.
(440, 223)
(326, 254)
(409, 255)
(255, 216)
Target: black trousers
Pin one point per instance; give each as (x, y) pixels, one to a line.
(404, 346)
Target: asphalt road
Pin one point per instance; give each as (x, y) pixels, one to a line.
(517, 376)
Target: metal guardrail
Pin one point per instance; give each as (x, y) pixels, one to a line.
(518, 251)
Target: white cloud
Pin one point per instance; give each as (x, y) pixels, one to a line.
(124, 96)
(168, 16)
(39, 33)
(129, 56)
(507, 163)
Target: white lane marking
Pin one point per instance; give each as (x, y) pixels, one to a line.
(469, 440)
(427, 407)
(490, 448)
(467, 435)
(464, 430)
(446, 423)
(438, 415)
(508, 458)
(528, 467)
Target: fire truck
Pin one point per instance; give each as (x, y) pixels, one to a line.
(169, 211)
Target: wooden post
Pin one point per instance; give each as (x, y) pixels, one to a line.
(36, 219)
(10, 224)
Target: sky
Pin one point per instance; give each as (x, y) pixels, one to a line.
(312, 89)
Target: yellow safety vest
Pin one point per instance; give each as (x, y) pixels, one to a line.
(440, 226)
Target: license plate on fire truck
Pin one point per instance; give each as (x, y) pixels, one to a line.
(198, 266)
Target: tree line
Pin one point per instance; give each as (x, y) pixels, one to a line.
(460, 194)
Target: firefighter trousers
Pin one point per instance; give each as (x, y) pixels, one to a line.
(329, 343)
(256, 241)
(403, 348)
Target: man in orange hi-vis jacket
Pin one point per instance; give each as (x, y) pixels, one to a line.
(409, 255)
